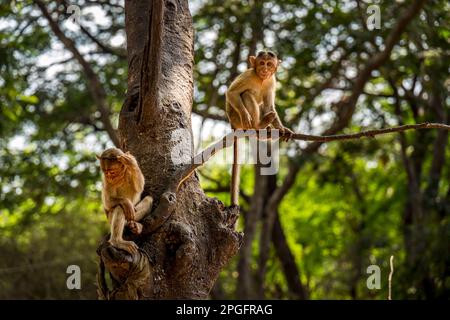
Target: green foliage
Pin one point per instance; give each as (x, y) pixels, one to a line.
(349, 206)
(50, 210)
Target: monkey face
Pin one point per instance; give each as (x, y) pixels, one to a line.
(265, 64)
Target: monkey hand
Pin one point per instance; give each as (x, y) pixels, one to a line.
(128, 210)
(286, 134)
(246, 120)
(127, 159)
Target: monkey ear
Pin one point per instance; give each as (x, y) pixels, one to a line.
(98, 157)
(251, 60)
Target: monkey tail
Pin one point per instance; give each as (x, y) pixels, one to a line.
(235, 174)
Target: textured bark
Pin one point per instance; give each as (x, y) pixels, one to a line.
(187, 237)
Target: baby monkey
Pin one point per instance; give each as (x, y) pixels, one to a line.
(250, 99)
(123, 183)
(250, 104)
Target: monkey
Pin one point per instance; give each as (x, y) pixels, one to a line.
(123, 183)
(250, 104)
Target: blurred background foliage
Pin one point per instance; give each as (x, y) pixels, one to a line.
(352, 205)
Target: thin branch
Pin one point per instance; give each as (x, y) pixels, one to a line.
(28, 23)
(287, 260)
(390, 277)
(184, 172)
(55, 63)
(220, 189)
(326, 84)
(227, 141)
(95, 86)
(370, 133)
(105, 48)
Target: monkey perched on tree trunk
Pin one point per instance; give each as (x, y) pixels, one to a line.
(123, 183)
(250, 104)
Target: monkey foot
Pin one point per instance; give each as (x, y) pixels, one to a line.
(135, 227)
(128, 246)
(286, 134)
(118, 261)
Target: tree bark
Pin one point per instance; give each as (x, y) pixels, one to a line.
(187, 237)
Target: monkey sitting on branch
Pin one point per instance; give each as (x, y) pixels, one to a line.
(123, 183)
(250, 104)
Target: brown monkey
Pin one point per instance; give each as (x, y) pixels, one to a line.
(250, 104)
(123, 183)
(252, 95)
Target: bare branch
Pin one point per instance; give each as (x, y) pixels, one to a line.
(55, 63)
(370, 133)
(104, 48)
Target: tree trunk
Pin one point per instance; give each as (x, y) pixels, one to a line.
(188, 237)
(291, 272)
